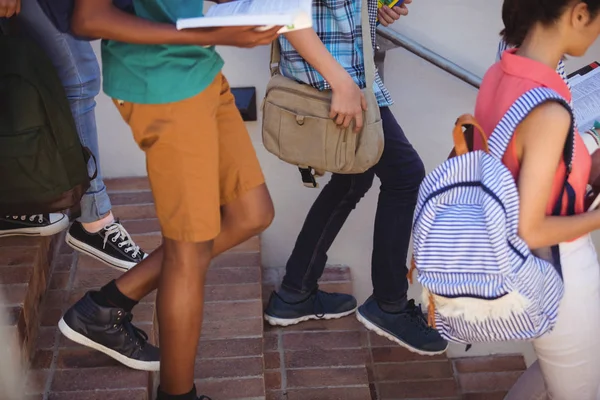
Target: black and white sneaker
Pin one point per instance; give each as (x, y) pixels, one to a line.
(110, 331)
(319, 305)
(111, 245)
(33, 225)
(408, 328)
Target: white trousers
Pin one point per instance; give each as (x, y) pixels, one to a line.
(568, 365)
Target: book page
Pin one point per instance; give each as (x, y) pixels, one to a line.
(255, 7)
(586, 98)
(291, 14)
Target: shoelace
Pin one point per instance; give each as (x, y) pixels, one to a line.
(31, 218)
(319, 301)
(133, 332)
(416, 313)
(116, 232)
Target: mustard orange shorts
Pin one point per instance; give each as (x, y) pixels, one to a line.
(199, 157)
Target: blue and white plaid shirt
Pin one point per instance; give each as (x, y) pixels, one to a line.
(338, 24)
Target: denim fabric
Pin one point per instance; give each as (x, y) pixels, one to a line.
(79, 72)
(60, 11)
(400, 171)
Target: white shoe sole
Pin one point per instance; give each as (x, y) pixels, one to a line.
(82, 340)
(47, 230)
(293, 321)
(99, 255)
(374, 328)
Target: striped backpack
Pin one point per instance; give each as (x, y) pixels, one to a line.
(480, 279)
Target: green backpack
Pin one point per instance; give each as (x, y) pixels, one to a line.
(43, 166)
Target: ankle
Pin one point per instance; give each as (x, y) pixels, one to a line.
(292, 296)
(191, 395)
(110, 296)
(97, 226)
(392, 307)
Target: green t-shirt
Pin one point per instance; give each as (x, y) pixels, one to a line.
(157, 74)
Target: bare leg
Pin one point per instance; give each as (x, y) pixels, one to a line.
(180, 308)
(181, 287)
(241, 219)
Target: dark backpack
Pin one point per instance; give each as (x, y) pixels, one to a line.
(43, 167)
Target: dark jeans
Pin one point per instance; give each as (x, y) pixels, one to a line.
(401, 172)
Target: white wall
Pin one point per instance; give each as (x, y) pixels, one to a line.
(428, 101)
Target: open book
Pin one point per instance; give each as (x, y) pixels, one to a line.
(292, 14)
(585, 88)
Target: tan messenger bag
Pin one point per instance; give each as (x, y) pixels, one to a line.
(297, 127)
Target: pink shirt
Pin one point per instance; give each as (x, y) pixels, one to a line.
(502, 85)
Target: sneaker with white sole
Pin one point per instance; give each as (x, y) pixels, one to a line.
(110, 331)
(112, 245)
(407, 328)
(319, 305)
(33, 225)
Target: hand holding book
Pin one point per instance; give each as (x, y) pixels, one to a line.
(240, 36)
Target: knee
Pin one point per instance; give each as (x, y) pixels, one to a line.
(187, 255)
(419, 172)
(361, 184)
(407, 177)
(354, 186)
(258, 220)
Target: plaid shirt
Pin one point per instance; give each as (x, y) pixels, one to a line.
(338, 25)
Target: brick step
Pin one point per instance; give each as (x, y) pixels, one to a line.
(488, 377)
(24, 274)
(238, 357)
(230, 360)
(327, 360)
(316, 359)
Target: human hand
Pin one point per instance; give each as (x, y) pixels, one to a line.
(8, 8)
(237, 36)
(595, 172)
(348, 103)
(387, 16)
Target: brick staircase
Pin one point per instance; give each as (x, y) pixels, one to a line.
(239, 358)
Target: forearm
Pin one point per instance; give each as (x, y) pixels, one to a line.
(308, 44)
(553, 230)
(105, 21)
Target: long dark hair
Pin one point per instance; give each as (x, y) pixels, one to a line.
(519, 16)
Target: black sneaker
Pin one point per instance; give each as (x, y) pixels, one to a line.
(110, 331)
(111, 245)
(408, 328)
(33, 225)
(202, 397)
(160, 395)
(319, 305)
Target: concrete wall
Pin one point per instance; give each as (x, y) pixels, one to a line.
(428, 101)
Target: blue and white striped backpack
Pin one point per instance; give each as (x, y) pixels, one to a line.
(480, 279)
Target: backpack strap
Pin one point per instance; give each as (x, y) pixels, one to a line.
(504, 131)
